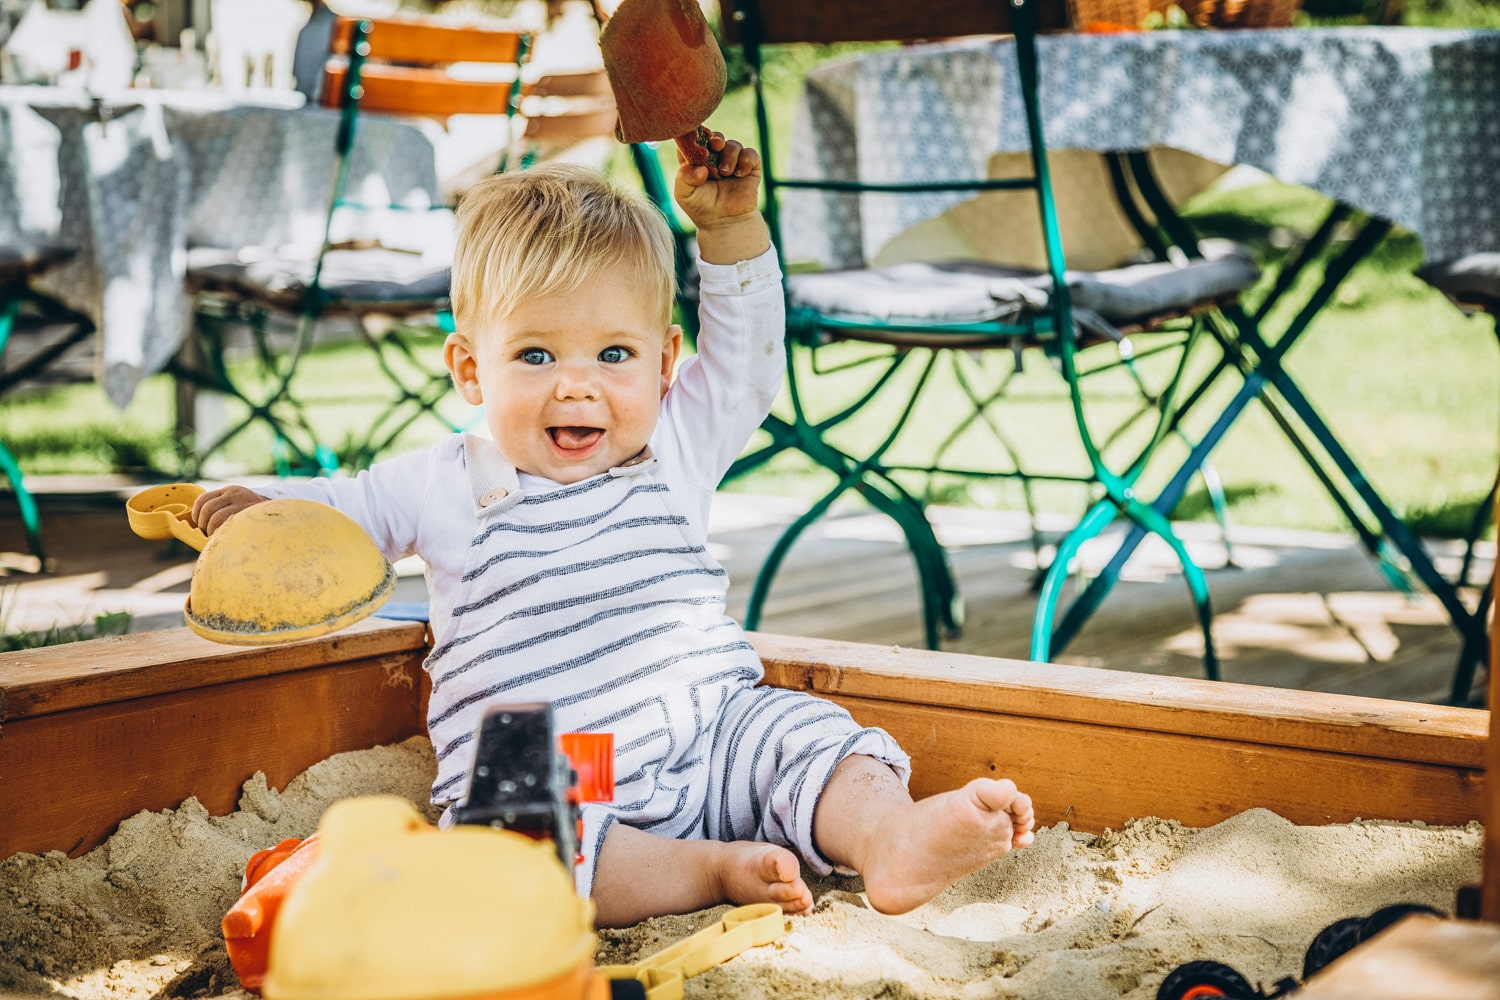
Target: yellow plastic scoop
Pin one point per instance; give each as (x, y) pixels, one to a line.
(276, 572)
(663, 973)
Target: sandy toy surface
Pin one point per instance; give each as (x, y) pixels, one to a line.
(1073, 917)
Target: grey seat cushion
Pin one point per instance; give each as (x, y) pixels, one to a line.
(1475, 278)
(352, 280)
(1138, 292)
(25, 258)
(976, 291)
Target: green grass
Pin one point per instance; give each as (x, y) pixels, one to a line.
(1410, 385)
(112, 623)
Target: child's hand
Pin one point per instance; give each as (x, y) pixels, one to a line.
(724, 202)
(212, 509)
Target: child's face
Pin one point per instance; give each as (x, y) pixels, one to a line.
(571, 384)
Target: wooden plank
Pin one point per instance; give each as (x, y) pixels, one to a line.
(413, 40)
(67, 778)
(1418, 957)
(1097, 776)
(573, 125)
(58, 678)
(1343, 724)
(590, 83)
(407, 90)
(879, 20)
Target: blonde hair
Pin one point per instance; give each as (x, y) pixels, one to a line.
(547, 231)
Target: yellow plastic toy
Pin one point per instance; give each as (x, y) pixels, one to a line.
(391, 909)
(279, 571)
(395, 910)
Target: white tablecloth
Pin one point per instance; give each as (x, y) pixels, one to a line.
(1403, 123)
(134, 179)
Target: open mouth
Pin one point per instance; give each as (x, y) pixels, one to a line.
(575, 439)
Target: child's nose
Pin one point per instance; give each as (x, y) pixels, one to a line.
(576, 382)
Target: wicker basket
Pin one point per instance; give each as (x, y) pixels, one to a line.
(1087, 14)
(1241, 13)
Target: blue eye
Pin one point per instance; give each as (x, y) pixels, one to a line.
(614, 355)
(535, 356)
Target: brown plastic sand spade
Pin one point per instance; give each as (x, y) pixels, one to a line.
(666, 71)
(278, 571)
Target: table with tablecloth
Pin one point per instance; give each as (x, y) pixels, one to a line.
(133, 179)
(1400, 124)
(1403, 123)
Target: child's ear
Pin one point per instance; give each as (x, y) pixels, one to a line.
(671, 347)
(462, 365)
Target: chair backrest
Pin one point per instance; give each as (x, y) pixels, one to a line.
(753, 23)
(404, 68)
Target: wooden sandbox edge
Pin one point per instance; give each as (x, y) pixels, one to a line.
(1095, 748)
(142, 722)
(94, 732)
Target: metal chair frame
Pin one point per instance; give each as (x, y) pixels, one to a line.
(755, 23)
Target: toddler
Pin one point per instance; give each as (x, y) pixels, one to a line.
(566, 557)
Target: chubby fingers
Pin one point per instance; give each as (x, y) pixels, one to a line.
(212, 509)
(736, 159)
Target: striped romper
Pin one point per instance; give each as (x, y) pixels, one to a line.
(601, 598)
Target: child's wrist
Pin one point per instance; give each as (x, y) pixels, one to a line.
(733, 239)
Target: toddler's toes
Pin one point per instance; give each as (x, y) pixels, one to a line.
(995, 794)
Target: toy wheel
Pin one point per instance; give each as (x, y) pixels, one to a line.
(1205, 981)
(1387, 915)
(1331, 942)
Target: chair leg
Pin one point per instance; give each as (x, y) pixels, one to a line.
(31, 523)
(942, 606)
(1047, 639)
(30, 520)
(1475, 651)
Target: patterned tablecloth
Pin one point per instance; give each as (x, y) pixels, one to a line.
(132, 181)
(1403, 123)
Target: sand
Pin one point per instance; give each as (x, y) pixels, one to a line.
(1072, 917)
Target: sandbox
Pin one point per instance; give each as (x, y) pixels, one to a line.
(92, 734)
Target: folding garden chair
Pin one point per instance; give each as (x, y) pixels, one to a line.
(19, 263)
(899, 322)
(395, 66)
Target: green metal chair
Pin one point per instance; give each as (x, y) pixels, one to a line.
(394, 298)
(19, 264)
(1473, 284)
(901, 322)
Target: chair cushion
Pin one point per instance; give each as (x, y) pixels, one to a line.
(915, 293)
(1475, 278)
(1138, 292)
(352, 281)
(26, 259)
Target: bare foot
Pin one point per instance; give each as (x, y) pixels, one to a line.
(918, 850)
(752, 872)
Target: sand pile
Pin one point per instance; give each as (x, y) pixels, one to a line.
(1072, 917)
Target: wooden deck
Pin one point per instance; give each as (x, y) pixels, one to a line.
(1301, 610)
